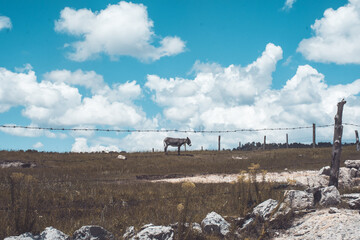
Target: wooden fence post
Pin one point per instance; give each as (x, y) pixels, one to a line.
(264, 146)
(153, 150)
(314, 136)
(357, 140)
(219, 143)
(336, 150)
(287, 141)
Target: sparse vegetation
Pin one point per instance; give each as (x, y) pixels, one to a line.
(69, 190)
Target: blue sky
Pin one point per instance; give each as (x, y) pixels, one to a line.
(191, 65)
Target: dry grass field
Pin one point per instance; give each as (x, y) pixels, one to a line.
(69, 190)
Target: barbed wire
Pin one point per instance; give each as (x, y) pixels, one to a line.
(169, 130)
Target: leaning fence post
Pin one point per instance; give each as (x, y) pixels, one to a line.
(336, 150)
(287, 141)
(357, 140)
(314, 136)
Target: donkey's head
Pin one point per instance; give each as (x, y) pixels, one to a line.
(188, 141)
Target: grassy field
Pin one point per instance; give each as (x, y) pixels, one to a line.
(69, 190)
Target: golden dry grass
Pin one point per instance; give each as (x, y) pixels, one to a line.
(69, 190)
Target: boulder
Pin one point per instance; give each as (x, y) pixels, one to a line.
(92, 232)
(352, 164)
(51, 233)
(122, 157)
(299, 200)
(345, 177)
(213, 223)
(264, 209)
(24, 236)
(330, 196)
(325, 171)
(152, 232)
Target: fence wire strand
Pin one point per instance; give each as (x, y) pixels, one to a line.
(169, 130)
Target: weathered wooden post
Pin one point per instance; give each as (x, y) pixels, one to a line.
(153, 150)
(357, 140)
(287, 141)
(219, 143)
(264, 146)
(314, 136)
(336, 150)
(202, 148)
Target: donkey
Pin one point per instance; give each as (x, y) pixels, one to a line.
(176, 142)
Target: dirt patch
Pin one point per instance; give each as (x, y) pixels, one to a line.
(298, 177)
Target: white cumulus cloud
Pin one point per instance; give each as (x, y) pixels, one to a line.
(122, 29)
(186, 100)
(234, 97)
(5, 22)
(56, 101)
(337, 36)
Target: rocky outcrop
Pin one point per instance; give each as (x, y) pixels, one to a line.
(92, 233)
(322, 225)
(213, 223)
(150, 232)
(49, 233)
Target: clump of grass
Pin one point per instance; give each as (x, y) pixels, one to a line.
(22, 214)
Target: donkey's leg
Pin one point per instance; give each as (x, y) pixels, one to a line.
(165, 150)
(179, 150)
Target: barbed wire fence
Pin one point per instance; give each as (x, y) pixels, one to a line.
(273, 138)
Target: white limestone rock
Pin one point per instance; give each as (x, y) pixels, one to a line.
(122, 157)
(264, 209)
(214, 223)
(352, 164)
(51, 233)
(24, 236)
(330, 196)
(152, 232)
(92, 232)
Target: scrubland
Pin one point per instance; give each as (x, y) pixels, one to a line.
(69, 190)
